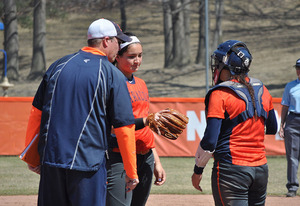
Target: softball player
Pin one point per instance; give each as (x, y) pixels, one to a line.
(238, 109)
(81, 97)
(128, 61)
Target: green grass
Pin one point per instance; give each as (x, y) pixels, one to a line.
(16, 179)
(179, 172)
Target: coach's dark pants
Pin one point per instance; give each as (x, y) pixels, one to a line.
(66, 187)
(236, 185)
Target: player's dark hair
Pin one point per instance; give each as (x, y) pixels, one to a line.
(241, 78)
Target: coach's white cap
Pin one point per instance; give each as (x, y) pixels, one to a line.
(105, 28)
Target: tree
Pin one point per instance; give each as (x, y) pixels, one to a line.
(38, 64)
(187, 32)
(217, 33)
(168, 32)
(123, 14)
(219, 10)
(201, 39)
(176, 32)
(11, 38)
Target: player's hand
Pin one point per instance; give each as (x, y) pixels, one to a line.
(281, 132)
(196, 179)
(37, 169)
(160, 174)
(131, 183)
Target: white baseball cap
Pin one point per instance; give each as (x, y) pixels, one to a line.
(106, 28)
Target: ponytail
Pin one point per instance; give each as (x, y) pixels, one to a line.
(241, 78)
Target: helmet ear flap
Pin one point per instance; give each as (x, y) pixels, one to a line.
(239, 60)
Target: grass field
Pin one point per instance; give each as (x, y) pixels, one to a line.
(16, 179)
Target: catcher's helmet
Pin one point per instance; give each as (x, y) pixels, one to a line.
(233, 55)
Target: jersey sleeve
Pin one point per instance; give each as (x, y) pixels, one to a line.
(216, 107)
(211, 134)
(271, 123)
(33, 127)
(126, 141)
(285, 97)
(267, 100)
(30, 154)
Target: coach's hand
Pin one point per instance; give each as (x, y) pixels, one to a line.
(196, 179)
(37, 169)
(131, 183)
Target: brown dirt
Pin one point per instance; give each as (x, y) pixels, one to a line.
(269, 28)
(154, 200)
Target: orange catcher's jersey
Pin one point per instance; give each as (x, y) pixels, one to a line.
(244, 143)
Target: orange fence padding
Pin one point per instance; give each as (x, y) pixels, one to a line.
(15, 114)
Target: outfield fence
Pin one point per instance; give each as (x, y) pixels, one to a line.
(15, 113)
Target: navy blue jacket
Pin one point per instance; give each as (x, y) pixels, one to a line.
(81, 97)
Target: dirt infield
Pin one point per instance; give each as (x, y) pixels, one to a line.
(162, 200)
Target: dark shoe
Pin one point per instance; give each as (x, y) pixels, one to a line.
(291, 194)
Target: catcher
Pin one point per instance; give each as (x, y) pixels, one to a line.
(239, 112)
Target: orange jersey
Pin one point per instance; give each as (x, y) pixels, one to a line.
(244, 143)
(140, 105)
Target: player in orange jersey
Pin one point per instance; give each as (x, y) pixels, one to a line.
(238, 109)
(128, 61)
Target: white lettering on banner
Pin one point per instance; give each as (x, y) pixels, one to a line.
(195, 125)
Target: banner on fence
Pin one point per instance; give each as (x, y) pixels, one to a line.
(187, 143)
(15, 113)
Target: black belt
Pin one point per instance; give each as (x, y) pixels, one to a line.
(296, 114)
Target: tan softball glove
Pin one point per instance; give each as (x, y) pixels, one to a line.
(168, 123)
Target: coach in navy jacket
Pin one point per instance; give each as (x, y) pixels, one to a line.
(80, 98)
